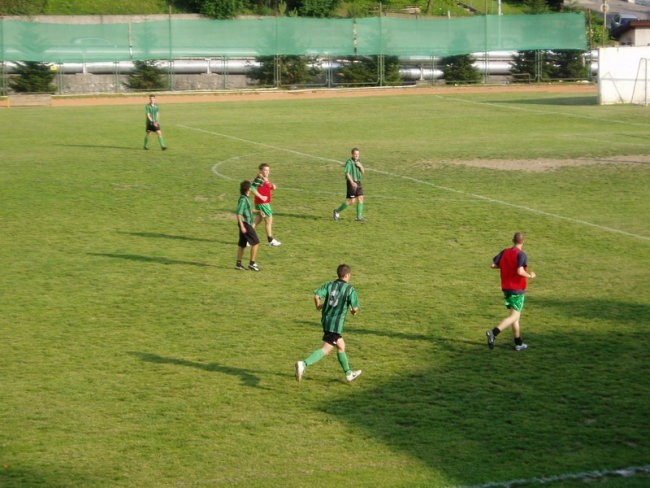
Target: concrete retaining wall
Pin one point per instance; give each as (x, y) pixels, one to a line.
(80, 84)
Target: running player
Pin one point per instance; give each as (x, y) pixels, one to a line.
(513, 265)
(333, 299)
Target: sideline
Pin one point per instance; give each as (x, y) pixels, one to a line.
(423, 182)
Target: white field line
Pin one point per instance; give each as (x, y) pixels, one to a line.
(421, 182)
(624, 472)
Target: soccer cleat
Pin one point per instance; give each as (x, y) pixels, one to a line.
(254, 267)
(336, 215)
(146, 148)
(300, 370)
(490, 338)
(360, 219)
(240, 267)
(521, 347)
(275, 243)
(164, 148)
(353, 375)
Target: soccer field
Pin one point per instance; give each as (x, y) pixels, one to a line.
(135, 355)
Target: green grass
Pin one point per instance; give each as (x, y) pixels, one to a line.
(133, 354)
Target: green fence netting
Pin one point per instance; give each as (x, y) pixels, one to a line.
(175, 39)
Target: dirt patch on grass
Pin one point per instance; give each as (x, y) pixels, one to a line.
(535, 165)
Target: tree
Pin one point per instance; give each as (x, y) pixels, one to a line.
(22, 7)
(568, 65)
(460, 69)
(221, 9)
(33, 77)
(283, 70)
(365, 70)
(318, 8)
(527, 66)
(147, 76)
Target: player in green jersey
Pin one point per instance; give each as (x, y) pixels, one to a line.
(333, 299)
(247, 234)
(354, 191)
(152, 123)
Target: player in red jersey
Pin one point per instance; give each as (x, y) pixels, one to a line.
(513, 265)
(263, 190)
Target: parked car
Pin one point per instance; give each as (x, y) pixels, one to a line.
(622, 18)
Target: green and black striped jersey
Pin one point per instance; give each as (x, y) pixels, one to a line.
(244, 209)
(337, 297)
(351, 168)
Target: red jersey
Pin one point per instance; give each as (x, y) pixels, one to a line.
(509, 261)
(262, 187)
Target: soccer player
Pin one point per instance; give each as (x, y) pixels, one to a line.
(513, 265)
(152, 124)
(247, 234)
(263, 189)
(333, 299)
(354, 191)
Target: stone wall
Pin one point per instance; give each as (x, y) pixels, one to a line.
(80, 84)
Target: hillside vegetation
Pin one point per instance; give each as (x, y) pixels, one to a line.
(357, 8)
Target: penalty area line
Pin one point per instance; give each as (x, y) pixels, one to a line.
(422, 182)
(597, 474)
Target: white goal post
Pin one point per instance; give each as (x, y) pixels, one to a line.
(623, 75)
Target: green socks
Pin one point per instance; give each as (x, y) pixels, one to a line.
(146, 142)
(344, 205)
(318, 354)
(343, 360)
(161, 141)
(314, 357)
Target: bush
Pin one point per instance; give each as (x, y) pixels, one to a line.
(291, 70)
(364, 70)
(527, 66)
(22, 7)
(221, 9)
(547, 65)
(568, 65)
(147, 76)
(460, 69)
(33, 77)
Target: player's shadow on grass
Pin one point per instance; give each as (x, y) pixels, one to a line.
(247, 377)
(159, 235)
(149, 259)
(101, 146)
(449, 343)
